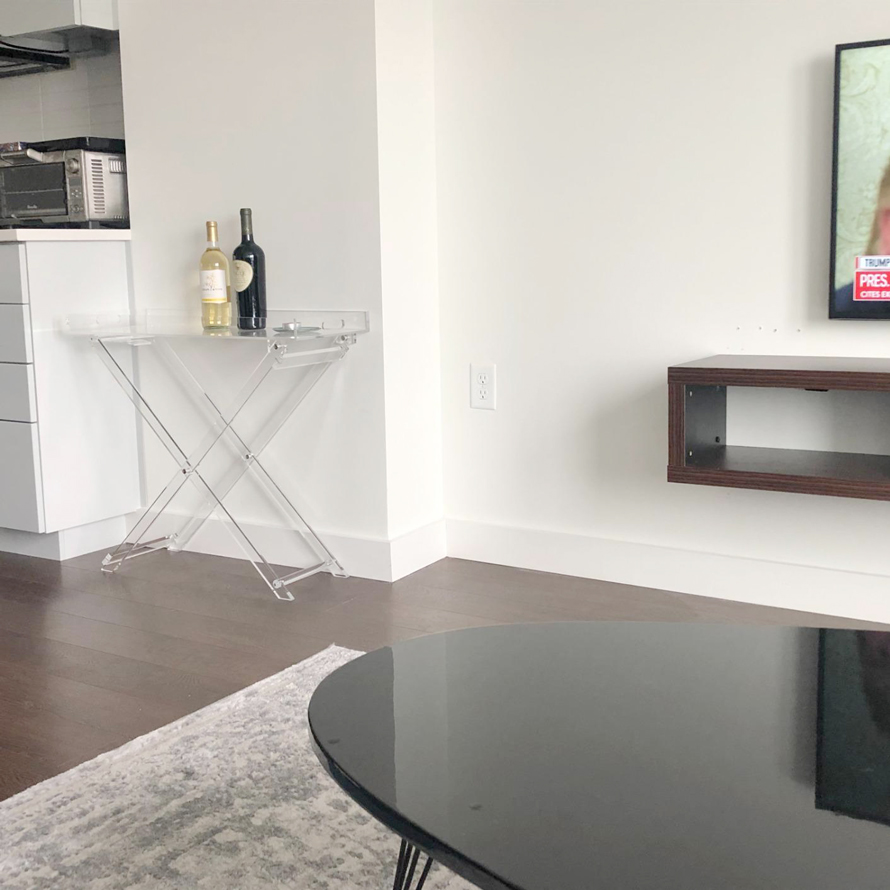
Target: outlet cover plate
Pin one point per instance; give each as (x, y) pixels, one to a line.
(483, 386)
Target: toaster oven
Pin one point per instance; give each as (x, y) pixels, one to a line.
(80, 183)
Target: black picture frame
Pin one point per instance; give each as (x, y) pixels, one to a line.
(874, 311)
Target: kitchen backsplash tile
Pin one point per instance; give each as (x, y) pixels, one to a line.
(52, 101)
(105, 95)
(68, 122)
(27, 127)
(82, 101)
(106, 114)
(57, 82)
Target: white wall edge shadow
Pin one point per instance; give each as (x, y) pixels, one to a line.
(805, 588)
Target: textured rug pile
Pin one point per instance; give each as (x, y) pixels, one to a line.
(228, 797)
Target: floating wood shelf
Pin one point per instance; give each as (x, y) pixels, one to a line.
(698, 452)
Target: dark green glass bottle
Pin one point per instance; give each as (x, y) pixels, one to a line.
(249, 277)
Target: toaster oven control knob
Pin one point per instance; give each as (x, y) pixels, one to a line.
(72, 165)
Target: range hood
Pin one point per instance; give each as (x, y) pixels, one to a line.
(16, 60)
(42, 35)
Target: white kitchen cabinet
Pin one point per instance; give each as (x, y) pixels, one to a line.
(21, 504)
(68, 435)
(15, 333)
(19, 17)
(13, 280)
(18, 401)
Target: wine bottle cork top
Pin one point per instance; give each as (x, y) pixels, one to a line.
(212, 231)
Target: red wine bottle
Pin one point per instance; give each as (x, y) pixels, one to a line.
(249, 277)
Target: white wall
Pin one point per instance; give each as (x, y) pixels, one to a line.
(621, 187)
(409, 253)
(84, 100)
(274, 110)
(596, 192)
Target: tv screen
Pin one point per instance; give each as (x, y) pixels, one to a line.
(860, 213)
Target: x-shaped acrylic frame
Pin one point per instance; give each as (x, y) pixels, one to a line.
(277, 359)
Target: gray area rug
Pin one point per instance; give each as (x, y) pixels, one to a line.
(228, 797)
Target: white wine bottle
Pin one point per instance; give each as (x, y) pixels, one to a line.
(216, 293)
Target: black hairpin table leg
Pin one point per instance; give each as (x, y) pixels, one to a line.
(407, 866)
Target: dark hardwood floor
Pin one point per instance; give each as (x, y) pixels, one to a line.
(89, 661)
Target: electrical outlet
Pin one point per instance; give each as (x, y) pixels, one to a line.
(483, 387)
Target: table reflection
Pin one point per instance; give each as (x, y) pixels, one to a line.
(854, 739)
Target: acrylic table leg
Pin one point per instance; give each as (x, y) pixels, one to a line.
(249, 455)
(133, 545)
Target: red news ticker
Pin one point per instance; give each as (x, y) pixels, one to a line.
(869, 286)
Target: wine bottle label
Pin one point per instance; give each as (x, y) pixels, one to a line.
(213, 286)
(242, 275)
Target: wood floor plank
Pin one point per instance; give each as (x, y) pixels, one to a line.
(154, 648)
(356, 632)
(161, 567)
(20, 771)
(249, 606)
(51, 737)
(186, 560)
(29, 690)
(404, 613)
(516, 609)
(587, 599)
(181, 570)
(114, 672)
(280, 642)
(525, 587)
(260, 615)
(453, 572)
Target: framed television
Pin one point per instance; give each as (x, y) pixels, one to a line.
(859, 284)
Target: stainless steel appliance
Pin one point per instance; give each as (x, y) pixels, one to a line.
(70, 183)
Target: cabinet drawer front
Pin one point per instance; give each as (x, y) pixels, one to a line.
(13, 280)
(21, 506)
(17, 393)
(15, 333)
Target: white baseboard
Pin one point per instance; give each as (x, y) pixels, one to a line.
(67, 543)
(785, 585)
(362, 557)
(95, 536)
(417, 549)
(30, 543)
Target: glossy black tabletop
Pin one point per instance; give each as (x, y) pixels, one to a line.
(623, 755)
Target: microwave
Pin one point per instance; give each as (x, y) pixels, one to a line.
(74, 183)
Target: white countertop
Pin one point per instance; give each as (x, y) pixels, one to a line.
(64, 235)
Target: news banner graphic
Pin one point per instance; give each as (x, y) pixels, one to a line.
(872, 280)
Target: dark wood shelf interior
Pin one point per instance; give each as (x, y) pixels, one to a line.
(848, 466)
(698, 450)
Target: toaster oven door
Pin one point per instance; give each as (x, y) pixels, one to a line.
(33, 191)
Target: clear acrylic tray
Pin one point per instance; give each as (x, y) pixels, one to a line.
(280, 324)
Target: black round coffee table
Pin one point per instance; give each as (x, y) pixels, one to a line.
(575, 756)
